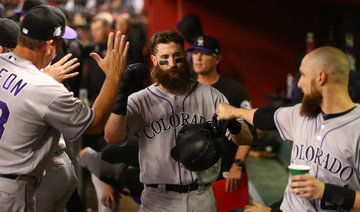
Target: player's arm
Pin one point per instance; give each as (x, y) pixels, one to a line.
(261, 118)
(113, 65)
(134, 80)
(115, 129)
(240, 132)
(234, 176)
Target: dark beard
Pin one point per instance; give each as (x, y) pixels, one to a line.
(311, 103)
(174, 79)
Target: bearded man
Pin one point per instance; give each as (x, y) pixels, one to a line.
(325, 133)
(155, 115)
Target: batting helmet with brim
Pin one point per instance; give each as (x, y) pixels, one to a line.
(199, 146)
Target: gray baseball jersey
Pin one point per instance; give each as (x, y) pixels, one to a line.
(35, 109)
(155, 117)
(330, 147)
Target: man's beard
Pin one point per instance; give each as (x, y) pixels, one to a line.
(311, 103)
(174, 79)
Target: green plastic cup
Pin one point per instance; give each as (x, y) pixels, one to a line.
(298, 169)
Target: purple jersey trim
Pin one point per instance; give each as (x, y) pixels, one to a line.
(278, 125)
(337, 128)
(84, 127)
(173, 112)
(322, 141)
(183, 107)
(17, 64)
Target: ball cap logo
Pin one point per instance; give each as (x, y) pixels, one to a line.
(206, 43)
(200, 41)
(25, 31)
(57, 31)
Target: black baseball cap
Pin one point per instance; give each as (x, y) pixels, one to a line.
(190, 27)
(9, 31)
(206, 43)
(28, 4)
(46, 23)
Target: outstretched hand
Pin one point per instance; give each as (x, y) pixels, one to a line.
(60, 70)
(114, 62)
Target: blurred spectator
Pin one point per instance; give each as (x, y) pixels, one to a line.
(124, 25)
(2, 10)
(79, 23)
(93, 75)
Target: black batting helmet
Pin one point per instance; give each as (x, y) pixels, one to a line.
(199, 146)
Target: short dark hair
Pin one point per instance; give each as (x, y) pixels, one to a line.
(104, 21)
(165, 37)
(30, 43)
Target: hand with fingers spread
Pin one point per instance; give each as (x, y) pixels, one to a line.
(256, 207)
(60, 70)
(114, 62)
(233, 179)
(109, 196)
(307, 186)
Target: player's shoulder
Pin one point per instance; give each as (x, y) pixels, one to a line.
(295, 109)
(357, 108)
(204, 87)
(142, 93)
(208, 91)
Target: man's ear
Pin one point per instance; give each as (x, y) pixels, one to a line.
(1, 49)
(218, 59)
(48, 46)
(154, 60)
(322, 78)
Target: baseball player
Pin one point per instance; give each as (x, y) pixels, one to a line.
(50, 196)
(35, 109)
(324, 130)
(155, 115)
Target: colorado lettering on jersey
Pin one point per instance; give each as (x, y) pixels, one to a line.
(10, 82)
(172, 121)
(324, 160)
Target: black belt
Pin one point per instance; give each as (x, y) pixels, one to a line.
(31, 179)
(10, 176)
(179, 188)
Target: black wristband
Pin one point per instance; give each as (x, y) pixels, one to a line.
(340, 196)
(239, 162)
(120, 107)
(234, 126)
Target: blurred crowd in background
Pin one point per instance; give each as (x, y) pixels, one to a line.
(81, 12)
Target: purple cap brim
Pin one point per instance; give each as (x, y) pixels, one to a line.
(70, 33)
(19, 11)
(200, 48)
